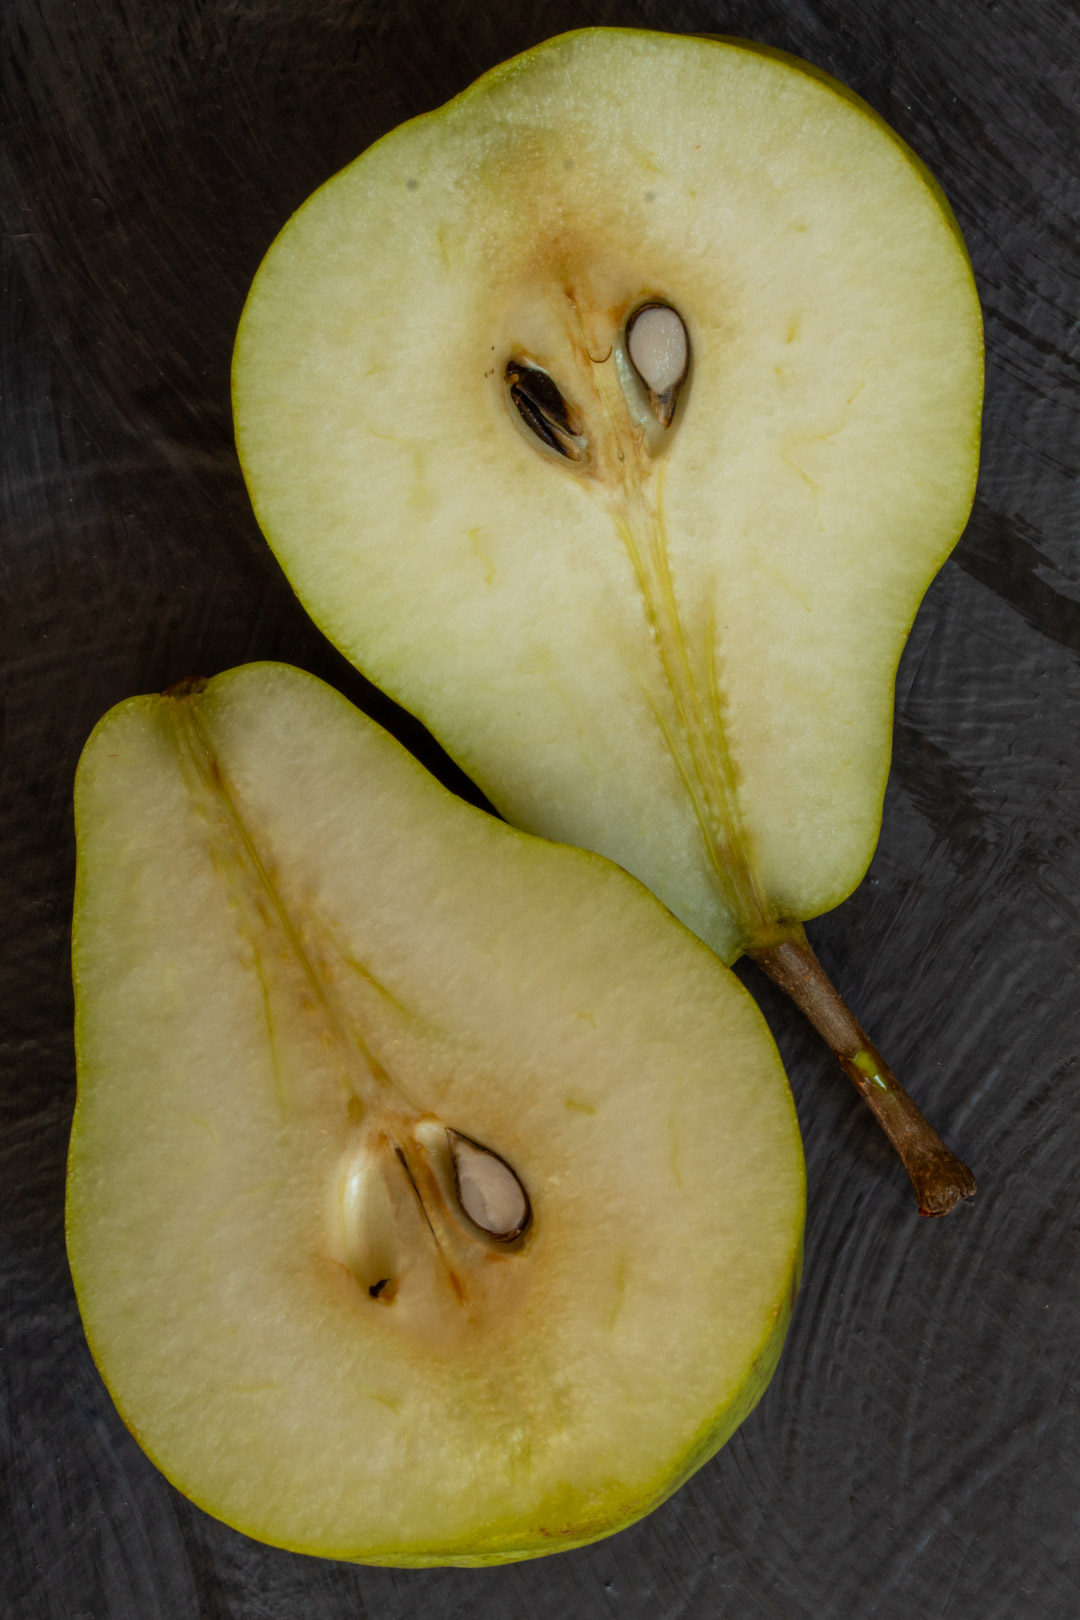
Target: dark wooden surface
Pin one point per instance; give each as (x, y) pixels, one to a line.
(916, 1455)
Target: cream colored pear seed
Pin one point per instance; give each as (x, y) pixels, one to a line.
(489, 1191)
(658, 347)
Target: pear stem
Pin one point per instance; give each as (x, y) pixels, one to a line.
(939, 1178)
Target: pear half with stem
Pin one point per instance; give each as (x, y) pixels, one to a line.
(614, 418)
(433, 1196)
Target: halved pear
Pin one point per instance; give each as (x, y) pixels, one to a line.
(433, 1196)
(614, 418)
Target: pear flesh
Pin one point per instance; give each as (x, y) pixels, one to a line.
(666, 628)
(433, 1196)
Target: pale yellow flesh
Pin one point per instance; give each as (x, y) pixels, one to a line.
(682, 657)
(287, 938)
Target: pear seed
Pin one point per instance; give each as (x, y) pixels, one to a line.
(488, 1190)
(543, 410)
(659, 351)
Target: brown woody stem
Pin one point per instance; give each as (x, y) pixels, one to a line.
(940, 1180)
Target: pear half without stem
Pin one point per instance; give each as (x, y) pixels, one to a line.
(409, 1222)
(614, 418)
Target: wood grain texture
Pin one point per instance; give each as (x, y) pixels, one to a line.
(916, 1455)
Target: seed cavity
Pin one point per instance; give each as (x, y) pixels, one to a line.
(488, 1190)
(371, 1241)
(540, 405)
(659, 351)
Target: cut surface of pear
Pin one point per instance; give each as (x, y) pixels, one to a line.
(614, 418)
(433, 1196)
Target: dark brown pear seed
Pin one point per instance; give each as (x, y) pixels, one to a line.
(542, 408)
(488, 1190)
(659, 351)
